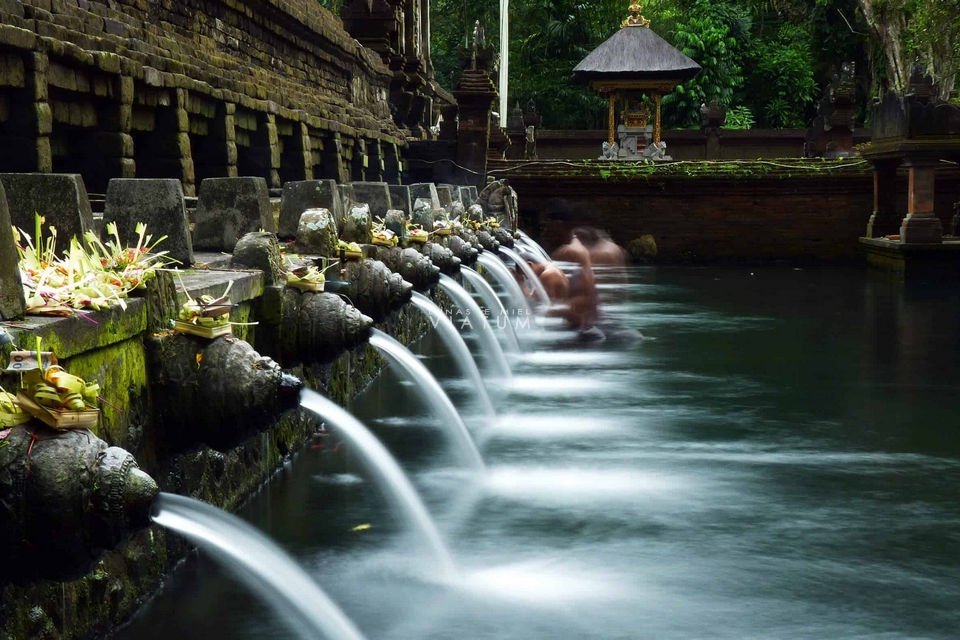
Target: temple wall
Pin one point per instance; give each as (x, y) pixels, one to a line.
(749, 212)
(694, 144)
(190, 90)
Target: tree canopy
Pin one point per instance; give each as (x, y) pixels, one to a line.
(768, 61)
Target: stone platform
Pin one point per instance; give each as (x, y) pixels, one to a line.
(915, 261)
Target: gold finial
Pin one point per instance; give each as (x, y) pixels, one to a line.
(635, 19)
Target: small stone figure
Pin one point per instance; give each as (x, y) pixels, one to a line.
(531, 151)
(610, 151)
(656, 152)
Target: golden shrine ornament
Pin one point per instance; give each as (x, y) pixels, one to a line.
(635, 19)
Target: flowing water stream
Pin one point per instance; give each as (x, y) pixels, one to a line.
(458, 348)
(499, 272)
(778, 460)
(431, 392)
(473, 316)
(491, 301)
(528, 273)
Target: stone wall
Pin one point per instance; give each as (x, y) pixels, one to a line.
(190, 90)
(731, 144)
(750, 212)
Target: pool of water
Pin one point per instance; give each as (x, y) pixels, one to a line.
(779, 459)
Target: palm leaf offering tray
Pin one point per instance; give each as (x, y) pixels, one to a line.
(306, 278)
(493, 223)
(50, 394)
(416, 234)
(441, 228)
(11, 413)
(206, 316)
(350, 250)
(385, 238)
(93, 275)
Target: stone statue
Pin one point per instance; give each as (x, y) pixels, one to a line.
(531, 149)
(499, 200)
(656, 151)
(610, 151)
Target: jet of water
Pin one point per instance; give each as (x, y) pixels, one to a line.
(533, 244)
(491, 346)
(390, 476)
(529, 274)
(256, 560)
(502, 275)
(490, 299)
(458, 348)
(430, 391)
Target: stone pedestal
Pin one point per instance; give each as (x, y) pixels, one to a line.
(921, 225)
(159, 204)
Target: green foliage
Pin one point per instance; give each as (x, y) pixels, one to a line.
(708, 37)
(333, 6)
(782, 80)
(739, 118)
(771, 57)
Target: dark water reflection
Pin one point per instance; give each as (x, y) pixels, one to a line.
(781, 460)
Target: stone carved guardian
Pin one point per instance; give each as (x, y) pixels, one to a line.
(499, 200)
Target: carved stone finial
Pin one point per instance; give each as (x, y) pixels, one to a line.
(635, 19)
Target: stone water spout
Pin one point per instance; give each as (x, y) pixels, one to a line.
(503, 236)
(374, 289)
(66, 498)
(412, 266)
(488, 242)
(461, 249)
(318, 327)
(441, 257)
(218, 393)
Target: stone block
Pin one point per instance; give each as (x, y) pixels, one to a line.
(427, 190)
(358, 225)
(61, 198)
(374, 194)
(468, 195)
(302, 195)
(11, 289)
(260, 251)
(400, 199)
(423, 213)
(159, 204)
(349, 196)
(446, 194)
(317, 233)
(229, 208)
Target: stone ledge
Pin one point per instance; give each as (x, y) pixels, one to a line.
(247, 285)
(68, 337)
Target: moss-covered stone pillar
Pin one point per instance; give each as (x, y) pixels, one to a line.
(392, 164)
(180, 123)
(333, 165)
(113, 137)
(358, 161)
(374, 162)
(38, 123)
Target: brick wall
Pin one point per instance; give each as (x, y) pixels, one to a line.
(748, 215)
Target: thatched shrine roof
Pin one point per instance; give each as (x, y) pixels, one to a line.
(634, 53)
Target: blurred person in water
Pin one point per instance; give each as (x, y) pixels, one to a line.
(607, 258)
(580, 308)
